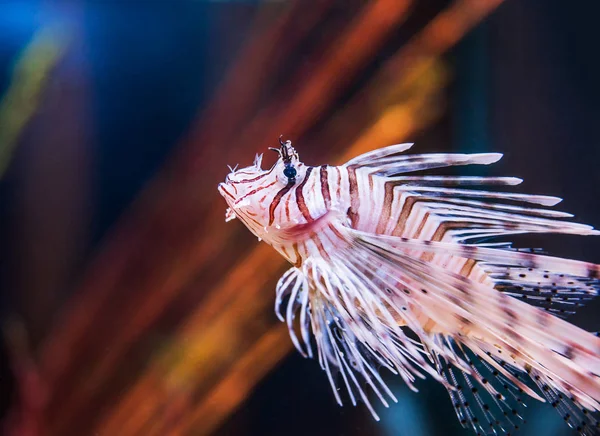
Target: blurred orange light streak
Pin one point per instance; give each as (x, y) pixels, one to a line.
(205, 346)
(294, 111)
(238, 384)
(237, 97)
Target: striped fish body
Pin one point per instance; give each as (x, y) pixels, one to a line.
(377, 249)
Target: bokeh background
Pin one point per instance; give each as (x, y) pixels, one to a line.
(128, 306)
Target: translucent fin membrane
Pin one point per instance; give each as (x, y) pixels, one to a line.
(380, 153)
(488, 404)
(293, 286)
(454, 181)
(356, 333)
(390, 166)
(344, 357)
(543, 200)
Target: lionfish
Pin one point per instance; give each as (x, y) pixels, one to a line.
(397, 271)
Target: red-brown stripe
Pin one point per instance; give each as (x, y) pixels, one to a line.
(254, 179)
(336, 232)
(319, 245)
(407, 208)
(276, 201)
(254, 191)
(325, 186)
(287, 209)
(298, 257)
(404, 214)
(439, 233)
(229, 194)
(467, 267)
(421, 225)
(354, 200)
(386, 210)
(445, 227)
(300, 196)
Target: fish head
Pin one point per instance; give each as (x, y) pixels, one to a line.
(253, 194)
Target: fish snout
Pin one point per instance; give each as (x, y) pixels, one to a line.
(223, 188)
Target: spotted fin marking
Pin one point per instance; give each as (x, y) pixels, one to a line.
(559, 294)
(487, 255)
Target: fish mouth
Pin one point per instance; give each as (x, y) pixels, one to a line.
(223, 190)
(228, 190)
(229, 197)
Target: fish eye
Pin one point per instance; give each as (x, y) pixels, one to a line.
(290, 172)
